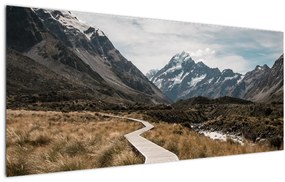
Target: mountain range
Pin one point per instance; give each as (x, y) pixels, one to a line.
(183, 78)
(54, 59)
(52, 56)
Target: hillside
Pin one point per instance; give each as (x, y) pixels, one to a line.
(86, 64)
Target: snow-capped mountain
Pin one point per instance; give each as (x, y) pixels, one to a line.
(80, 56)
(183, 78)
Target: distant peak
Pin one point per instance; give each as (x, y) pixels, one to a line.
(227, 71)
(184, 53)
(181, 57)
(264, 67)
(201, 63)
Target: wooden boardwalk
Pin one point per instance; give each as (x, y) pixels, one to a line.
(152, 152)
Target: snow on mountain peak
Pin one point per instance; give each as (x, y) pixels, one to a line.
(227, 72)
(183, 53)
(200, 63)
(264, 67)
(100, 33)
(70, 21)
(183, 77)
(180, 58)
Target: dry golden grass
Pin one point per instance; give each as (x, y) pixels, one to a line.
(41, 142)
(188, 144)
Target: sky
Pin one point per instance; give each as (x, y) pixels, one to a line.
(151, 43)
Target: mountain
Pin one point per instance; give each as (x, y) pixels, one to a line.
(75, 59)
(29, 82)
(263, 84)
(151, 73)
(182, 78)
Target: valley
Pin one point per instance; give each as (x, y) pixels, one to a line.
(73, 101)
(50, 141)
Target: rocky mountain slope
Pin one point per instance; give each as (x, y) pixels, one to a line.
(183, 78)
(79, 55)
(262, 84)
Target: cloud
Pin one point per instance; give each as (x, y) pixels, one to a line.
(209, 57)
(234, 62)
(151, 43)
(202, 53)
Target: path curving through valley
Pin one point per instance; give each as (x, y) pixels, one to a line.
(152, 152)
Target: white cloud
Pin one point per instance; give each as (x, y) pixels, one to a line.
(202, 53)
(234, 62)
(209, 57)
(150, 43)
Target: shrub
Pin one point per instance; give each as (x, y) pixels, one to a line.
(74, 148)
(41, 140)
(276, 142)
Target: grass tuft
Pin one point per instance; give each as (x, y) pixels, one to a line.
(41, 140)
(17, 163)
(47, 141)
(75, 148)
(187, 144)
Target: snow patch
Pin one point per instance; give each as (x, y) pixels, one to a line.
(259, 67)
(186, 92)
(177, 80)
(89, 35)
(231, 78)
(184, 76)
(218, 80)
(172, 69)
(196, 80)
(241, 78)
(71, 22)
(181, 57)
(158, 83)
(100, 33)
(209, 81)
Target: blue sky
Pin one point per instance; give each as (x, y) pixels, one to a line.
(151, 43)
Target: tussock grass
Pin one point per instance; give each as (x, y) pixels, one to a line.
(17, 163)
(41, 142)
(187, 144)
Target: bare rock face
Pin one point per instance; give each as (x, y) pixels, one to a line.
(263, 84)
(80, 55)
